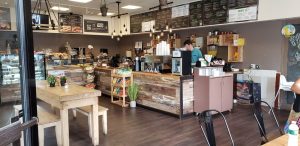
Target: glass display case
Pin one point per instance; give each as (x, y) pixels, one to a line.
(10, 76)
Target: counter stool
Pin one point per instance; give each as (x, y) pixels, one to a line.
(46, 120)
(87, 110)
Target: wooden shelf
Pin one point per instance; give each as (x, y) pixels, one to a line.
(120, 103)
(122, 85)
(117, 95)
(120, 76)
(116, 85)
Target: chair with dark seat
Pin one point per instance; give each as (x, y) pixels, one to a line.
(206, 119)
(258, 114)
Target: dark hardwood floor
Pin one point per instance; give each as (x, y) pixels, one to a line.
(142, 127)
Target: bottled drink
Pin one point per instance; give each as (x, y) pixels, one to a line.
(293, 134)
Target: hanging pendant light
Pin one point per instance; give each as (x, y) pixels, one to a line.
(103, 8)
(118, 38)
(170, 30)
(121, 35)
(161, 33)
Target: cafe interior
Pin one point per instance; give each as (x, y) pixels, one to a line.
(149, 73)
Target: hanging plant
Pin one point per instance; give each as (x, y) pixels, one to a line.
(103, 8)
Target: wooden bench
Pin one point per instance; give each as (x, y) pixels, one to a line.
(46, 120)
(87, 111)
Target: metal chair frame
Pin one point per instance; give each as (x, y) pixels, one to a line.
(203, 119)
(257, 104)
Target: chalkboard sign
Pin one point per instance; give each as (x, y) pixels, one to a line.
(95, 26)
(163, 17)
(71, 23)
(215, 11)
(236, 4)
(180, 22)
(5, 22)
(136, 23)
(293, 64)
(196, 14)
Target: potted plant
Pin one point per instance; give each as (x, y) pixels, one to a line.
(63, 80)
(51, 80)
(132, 94)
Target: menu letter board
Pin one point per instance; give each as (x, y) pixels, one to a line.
(180, 11)
(243, 14)
(215, 11)
(95, 26)
(5, 22)
(196, 14)
(70, 22)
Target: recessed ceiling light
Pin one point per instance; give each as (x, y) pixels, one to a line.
(131, 7)
(56, 8)
(81, 1)
(108, 14)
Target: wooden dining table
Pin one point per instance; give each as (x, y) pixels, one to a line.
(280, 141)
(69, 97)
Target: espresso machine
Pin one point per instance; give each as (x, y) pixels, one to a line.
(181, 63)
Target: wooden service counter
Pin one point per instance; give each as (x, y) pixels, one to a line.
(163, 92)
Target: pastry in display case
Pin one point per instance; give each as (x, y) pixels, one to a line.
(10, 76)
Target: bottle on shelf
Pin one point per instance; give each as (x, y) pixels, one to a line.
(8, 49)
(293, 133)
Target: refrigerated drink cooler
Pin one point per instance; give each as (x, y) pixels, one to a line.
(181, 63)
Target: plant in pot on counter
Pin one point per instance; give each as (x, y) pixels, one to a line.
(51, 80)
(132, 94)
(63, 80)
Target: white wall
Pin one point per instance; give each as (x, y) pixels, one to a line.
(278, 9)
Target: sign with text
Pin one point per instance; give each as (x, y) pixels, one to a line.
(95, 26)
(243, 14)
(5, 22)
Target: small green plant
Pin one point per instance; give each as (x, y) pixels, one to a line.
(63, 79)
(133, 92)
(51, 80)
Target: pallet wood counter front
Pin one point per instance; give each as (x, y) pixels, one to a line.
(103, 79)
(165, 92)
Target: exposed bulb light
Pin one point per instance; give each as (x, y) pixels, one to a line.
(162, 33)
(150, 34)
(81, 1)
(131, 7)
(108, 14)
(170, 30)
(158, 37)
(58, 8)
(167, 27)
(114, 33)
(118, 38)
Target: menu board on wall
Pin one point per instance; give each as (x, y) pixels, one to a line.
(196, 14)
(163, 17)
(242, 14)
(5, 21)
(180, 22)
(214, 11)
(95, 26)
(136, 23)
(148, 26)
(180, 11)
(71, 23)
(235, 4)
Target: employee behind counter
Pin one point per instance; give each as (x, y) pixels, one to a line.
(196, 53)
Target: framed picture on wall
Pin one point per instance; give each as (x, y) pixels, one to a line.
(5, 21)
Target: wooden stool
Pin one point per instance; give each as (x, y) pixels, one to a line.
(46, 120)
(88, 112)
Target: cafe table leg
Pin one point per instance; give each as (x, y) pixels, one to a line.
(64, 126)
(95, 124)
